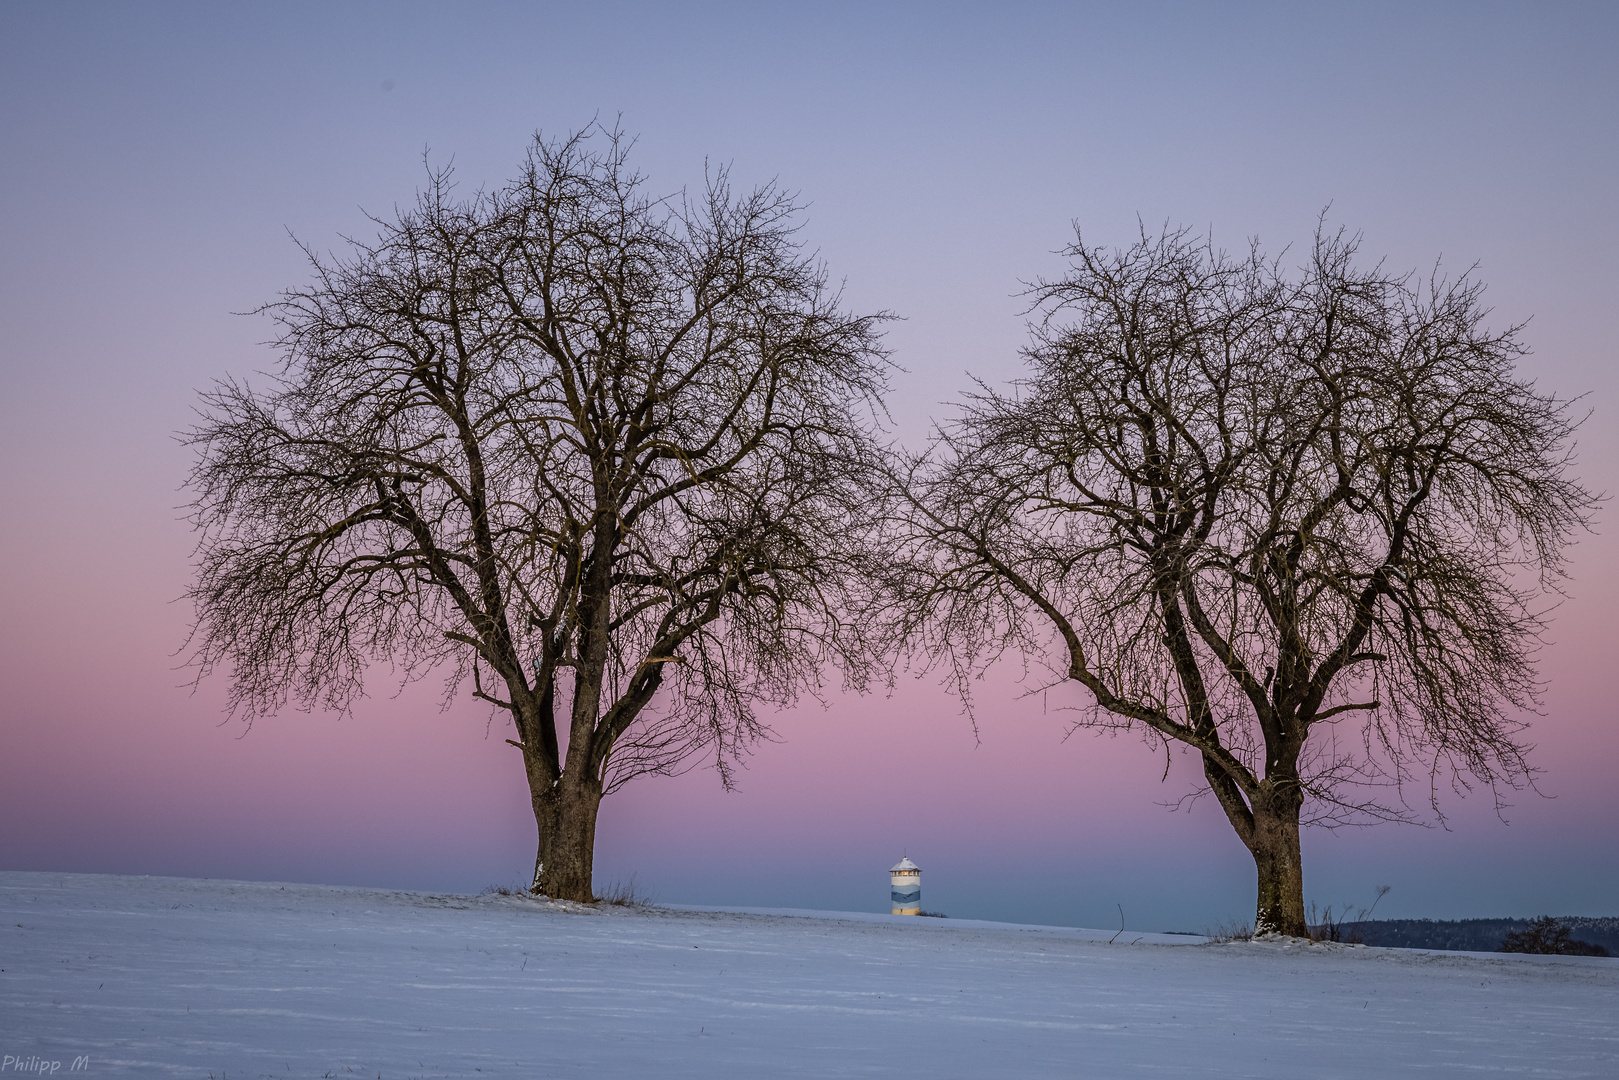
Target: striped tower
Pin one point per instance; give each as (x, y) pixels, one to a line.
(907, 879)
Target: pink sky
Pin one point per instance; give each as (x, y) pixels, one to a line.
(155, 163)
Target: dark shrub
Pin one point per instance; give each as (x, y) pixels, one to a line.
(1547, 935)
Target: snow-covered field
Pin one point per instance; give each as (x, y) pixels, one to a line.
(169, 977)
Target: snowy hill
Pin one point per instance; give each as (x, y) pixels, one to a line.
(169, 977)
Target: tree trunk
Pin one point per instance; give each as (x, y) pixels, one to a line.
(565, 864)
(543, 797)
(1275, 848)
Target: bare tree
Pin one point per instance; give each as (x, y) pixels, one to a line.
(593, 453)
(1303, 524)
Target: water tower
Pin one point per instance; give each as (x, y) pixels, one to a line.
(907, 879)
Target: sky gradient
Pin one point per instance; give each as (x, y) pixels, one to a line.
(159, 156)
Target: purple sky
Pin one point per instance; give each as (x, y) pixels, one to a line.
(157, 157)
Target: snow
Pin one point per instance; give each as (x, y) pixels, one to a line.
(173, 977)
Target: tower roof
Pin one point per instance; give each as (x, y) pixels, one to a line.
(904, 864)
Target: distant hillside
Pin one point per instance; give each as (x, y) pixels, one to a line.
(1478, 935)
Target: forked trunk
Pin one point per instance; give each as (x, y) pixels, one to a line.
(1275, 847)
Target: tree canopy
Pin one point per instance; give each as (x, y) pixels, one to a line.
(1303, 523)
(594, 452)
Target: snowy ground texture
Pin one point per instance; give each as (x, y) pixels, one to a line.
(170, 977)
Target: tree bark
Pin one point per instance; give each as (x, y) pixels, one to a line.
(1275, 848)
(565, 862)
(543, 797)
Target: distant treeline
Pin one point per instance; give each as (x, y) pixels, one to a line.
(1478, 935)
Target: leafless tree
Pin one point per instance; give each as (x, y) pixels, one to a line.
(1303, 523)
(595, 454)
